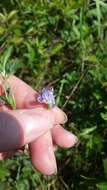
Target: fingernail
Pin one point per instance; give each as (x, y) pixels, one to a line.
(71, 140)
(75, 140)
(55, 171)
(65, 119)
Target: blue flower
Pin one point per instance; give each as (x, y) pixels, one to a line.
(47, 96)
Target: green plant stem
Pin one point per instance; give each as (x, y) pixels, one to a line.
(59, 94)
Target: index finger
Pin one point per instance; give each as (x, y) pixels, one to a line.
(26, 98)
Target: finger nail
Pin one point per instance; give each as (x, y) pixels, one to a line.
(72, 140)
(65, 119)
(75, 141)
(55, 171)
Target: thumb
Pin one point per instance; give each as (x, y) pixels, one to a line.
(20, 127)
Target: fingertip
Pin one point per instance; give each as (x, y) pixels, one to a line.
(42, 155)
(63, 138)
(47, 170)
(60, 116)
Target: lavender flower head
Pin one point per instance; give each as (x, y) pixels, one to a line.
(47, 96)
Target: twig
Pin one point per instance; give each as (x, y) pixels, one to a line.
(73, 90)
(51, 83)
(63, 182)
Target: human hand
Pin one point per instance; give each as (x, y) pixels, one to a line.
(34, 125)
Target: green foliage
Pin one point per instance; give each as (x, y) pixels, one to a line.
(64, 44)
(6, 69)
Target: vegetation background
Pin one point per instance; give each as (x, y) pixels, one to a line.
(62, 43)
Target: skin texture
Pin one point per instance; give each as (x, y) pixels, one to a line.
(34, 125)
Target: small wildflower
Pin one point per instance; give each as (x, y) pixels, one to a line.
(46, 96)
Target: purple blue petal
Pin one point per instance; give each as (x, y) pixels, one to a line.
(46, 96)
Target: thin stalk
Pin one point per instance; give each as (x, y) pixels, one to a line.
(82, 38)
(59, 94)
(98, 17)
(73, 90)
